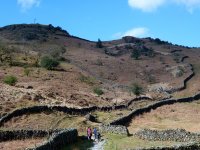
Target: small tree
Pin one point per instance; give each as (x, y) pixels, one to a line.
(27, 71)
(10, 80)
(99, 44)
(48, 63)
(136, 89)
(98, 91)
(136, 54)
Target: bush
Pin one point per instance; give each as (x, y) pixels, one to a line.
(136, 54)
(98, 91)
(10, 80)
(27, 71)
(99, 44)
(136, 89)
(87, 80)
(5, 54)
(48, 63)
(151, 53)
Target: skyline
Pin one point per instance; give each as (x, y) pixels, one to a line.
(176, 21)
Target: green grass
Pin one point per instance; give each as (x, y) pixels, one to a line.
(107, 117)
(98, 91)
(120, 142)
(86, 79)
(10, 80)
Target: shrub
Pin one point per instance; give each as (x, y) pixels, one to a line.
(98, 91)
(57, 53)
(180, 71)
(136, 54)
(136, 89)
(5, 54)
(99, 44)
(151, 53)
(27, 71)
(10, 80)
(48, 63)
(31, 36)
(87, 80)
(159, 42)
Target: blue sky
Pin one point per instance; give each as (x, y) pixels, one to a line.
(177, 21)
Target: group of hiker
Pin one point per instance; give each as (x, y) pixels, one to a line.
(93, 134)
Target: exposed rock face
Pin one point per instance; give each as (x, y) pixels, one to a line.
(159, 87)
(90, 117)
(119, 49)
(130, 39)
(125, 48)
(179, 70)
(117, 129)
(178, 135)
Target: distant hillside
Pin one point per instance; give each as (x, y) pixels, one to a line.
(159, 67)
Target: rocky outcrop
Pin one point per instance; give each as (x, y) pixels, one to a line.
(119, 49)
(90, 117)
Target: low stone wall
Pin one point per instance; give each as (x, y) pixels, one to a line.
(183, 85)
(22, 134)
(72, 111)
(126, 119)
(178, 135)
(117, 129)
(58, 140)
(187, 146)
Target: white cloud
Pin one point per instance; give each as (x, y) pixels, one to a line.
(135, 32)
(28, 4)
(152, 5)
(146, 5)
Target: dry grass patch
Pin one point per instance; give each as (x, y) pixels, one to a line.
(49, 120)
(20, 144)
(184, 116)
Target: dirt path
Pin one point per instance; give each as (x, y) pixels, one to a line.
(98, 145)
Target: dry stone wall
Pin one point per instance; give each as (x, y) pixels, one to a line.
(57, 140)
(186, 146)
(72, 111)
(117, 129)
(178, 135)
(126, 119)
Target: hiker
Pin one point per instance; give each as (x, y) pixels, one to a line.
(89, 133)
(99, 136)
(95, 134)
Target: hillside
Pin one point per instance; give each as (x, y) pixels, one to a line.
(90, 73)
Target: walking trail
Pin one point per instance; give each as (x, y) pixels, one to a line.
(98, 145)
